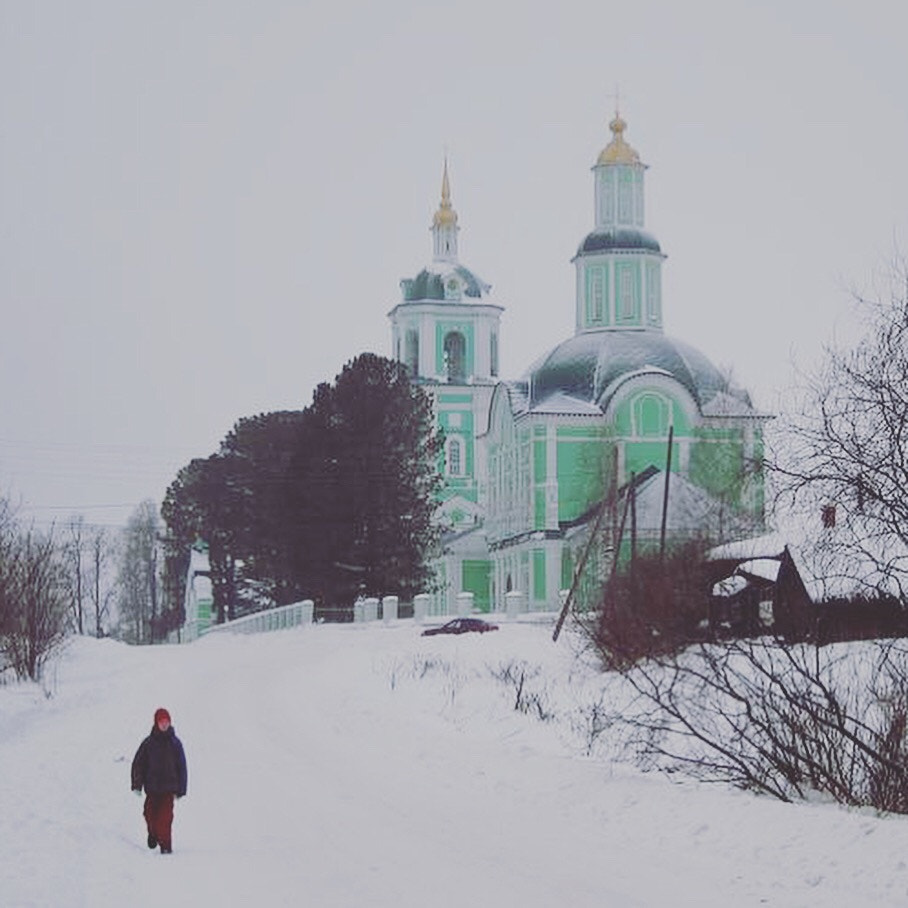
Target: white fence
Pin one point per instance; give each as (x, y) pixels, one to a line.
(367, 609)
(275, 619)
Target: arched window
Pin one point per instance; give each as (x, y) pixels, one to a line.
(651, 413)
(411, 352)
(493, 354)
(455, 357)
(455, 458)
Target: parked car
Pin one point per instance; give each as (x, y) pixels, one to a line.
(461, 626)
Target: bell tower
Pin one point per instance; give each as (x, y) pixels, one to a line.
(618, 265)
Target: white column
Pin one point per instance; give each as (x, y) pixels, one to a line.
(389, 605)
(464, 604)
(421, 607)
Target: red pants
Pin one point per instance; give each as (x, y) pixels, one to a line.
(159, 817)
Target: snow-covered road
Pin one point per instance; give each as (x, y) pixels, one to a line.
(366, 766)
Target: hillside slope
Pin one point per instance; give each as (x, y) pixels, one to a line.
(367, 766)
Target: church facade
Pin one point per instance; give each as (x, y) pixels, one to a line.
(529, 463)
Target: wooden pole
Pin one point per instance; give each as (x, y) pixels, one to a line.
(668, 473)
(633, 506)
(579, 572)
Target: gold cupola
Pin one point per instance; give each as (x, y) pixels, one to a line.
(618, 151)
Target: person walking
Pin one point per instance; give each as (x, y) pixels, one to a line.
(159, 767)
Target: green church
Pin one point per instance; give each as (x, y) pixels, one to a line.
(530, 463)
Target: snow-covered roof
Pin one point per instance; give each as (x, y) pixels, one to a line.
(566, 405)
(838, 562)
(689, 506)
(768, 545)
(725, 404)
(764, 568)
(589, 363)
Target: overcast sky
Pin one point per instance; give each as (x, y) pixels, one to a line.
(206, 207)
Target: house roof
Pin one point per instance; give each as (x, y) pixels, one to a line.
(847, 560)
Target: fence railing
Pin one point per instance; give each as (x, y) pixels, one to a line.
(275, 619)
(364, 610)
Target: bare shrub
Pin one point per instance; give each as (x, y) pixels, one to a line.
(591, 720)
(654, 606)
(515, 676)
(792, 721)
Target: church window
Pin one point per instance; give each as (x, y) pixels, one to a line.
(411, 352)
(628, 288)
(607, 196)
(626, 196)
(493, 354)
(653, 293)
(651, 415)
(455, 457)
(596, 295)
(638, 198)
(455, 348)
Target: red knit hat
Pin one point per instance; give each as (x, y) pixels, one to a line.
(160, 714)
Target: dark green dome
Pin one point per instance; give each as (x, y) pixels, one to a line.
(618, 239)
(429, 284)
(587, 365)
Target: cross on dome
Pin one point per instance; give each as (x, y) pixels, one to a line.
(618, 151)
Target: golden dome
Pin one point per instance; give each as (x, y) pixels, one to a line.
(446, 215)
(618, 151)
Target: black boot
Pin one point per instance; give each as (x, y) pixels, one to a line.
(152, 841)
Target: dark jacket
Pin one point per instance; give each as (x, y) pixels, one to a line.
(160, 764)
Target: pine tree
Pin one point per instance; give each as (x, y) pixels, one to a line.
(366, 484)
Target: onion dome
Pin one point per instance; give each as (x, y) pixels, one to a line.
(618, 151)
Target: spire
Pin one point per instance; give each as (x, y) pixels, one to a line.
(444, 224)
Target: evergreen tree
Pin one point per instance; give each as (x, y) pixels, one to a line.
(261, 450)
(365, 485)
(327, 502)
(206, 503)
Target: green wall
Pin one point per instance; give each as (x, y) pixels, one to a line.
(581, 469)
(539, 575)
(475, 579)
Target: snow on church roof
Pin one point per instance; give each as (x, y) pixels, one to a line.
(567, 405)
(588, 364)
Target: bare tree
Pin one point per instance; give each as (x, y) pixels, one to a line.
(101, 589)
(9, 566)
(74, 555)
(846, 443)
(138, 574)
(33, 597)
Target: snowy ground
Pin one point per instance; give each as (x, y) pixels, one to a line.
(367, 766)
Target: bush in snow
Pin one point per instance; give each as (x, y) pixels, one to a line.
(793, 721)
(33, 597)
